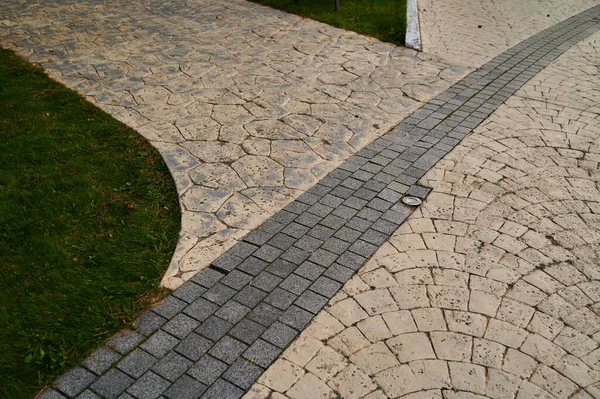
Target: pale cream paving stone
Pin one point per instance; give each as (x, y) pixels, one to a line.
(326, 363)
(411, 346)
(529, 390)
(505, 333)
(518, 363)
(547, 326)
(551, 381)
(484, 303)
(468, 377)
(310, 386)
(448, 297)
(429, 319)
(466, 322)
(377, 301)
(397, 381)
(423, 258)
(257, 391)
(281, 375)
(302, 350)
(449, 277)
(488, 353)
(515, 313)
(348, 312)
(378, 278)
(374, 358)
(399, 322)
(526, 293)
(416, 276)
(452, 346)
(324, 326)
(349, 341)
(542, 350)
(502, 385)
(431, 374)
(439, 242)
(577, 371)
(410, 297)
(575, 342)
(374, 329)
(352, 383)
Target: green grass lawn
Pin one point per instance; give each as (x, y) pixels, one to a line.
(88, 222)
(383, 19)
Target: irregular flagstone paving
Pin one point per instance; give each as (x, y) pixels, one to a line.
(471, 32)
(430, 314)
(249, 106)
(492, 288)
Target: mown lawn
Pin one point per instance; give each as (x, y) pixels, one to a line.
(383, 19)
(88, 222)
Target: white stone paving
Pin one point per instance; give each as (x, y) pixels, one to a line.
(471, 32)
(492, 287)
(249, 106)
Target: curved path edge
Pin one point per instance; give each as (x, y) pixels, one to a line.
(216, 334)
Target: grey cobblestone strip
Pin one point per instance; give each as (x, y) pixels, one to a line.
(214, 336)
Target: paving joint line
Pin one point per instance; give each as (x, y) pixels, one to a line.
(217, 333)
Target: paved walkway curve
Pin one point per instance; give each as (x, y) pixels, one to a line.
(221, 330)
(249, 106)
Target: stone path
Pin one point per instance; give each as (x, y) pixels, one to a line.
(249, 106)
(471, 32)
(488, 289)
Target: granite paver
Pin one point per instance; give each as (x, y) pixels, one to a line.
(249, 106)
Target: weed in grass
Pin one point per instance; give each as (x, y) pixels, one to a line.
(89, 218)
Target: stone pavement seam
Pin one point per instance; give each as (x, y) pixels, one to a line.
(217, 333)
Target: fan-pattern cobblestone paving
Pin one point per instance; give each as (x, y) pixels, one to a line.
(492, 288)
(249, 106)
(471, 32)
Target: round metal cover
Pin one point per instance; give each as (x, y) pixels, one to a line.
(412, 201)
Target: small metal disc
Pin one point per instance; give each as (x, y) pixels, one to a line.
(411, 201)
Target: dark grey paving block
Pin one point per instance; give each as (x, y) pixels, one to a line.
(99, 361)
(344, 212)
(351, 260)
(169, 307)
(200, 309)
(380, 204)
(284, 217)
(267, 253)
(243, 373)
(258, 237)
(375, 185)
(280, 334)
(333, 222)
(112, 384)
(385, 227)
(223, 390)
(185, 387)
(172, 366)
(271, 226)
(236, 279)
(355, 203)
(74, 381)
(181, 325)
(298, 207)
(296, 255)
(228, 349)
(308, 243)
(207, 277)
(320, 210)
(308, 219)
(262, 353)
(311, 301)
(148, 322)
(247, 331)
(280, 298)
(296, 317)
(321, 232)
(359, 224)
(250, 296)
(295, 230)
(219, 294)
(362, 248)
(124, 341)
(295, 284)
(323, 258)
(252, 265)
(214, 328)
(374, 237)
(281, 267)
(87, 394)
(207, 369)
(331, 201)
(232, 311)
(326, 287)
(309, 270)
(282, 241)
(265, 314)
(137, 363)
(266, 281)
(342, 192)
(242, 249)
(346, 234)
(352, 183)
(194, 346)
(227, 261)
(149, 386)
(339, 273)
(368, 214)
(418, 191)
(160, 344)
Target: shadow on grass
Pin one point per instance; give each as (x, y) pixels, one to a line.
(89, 220)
